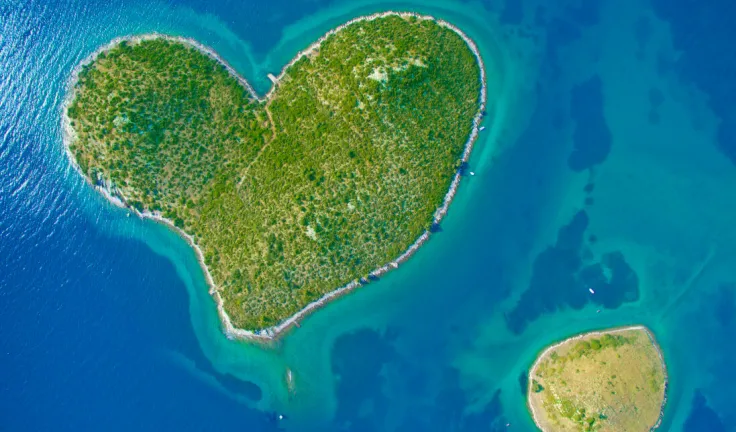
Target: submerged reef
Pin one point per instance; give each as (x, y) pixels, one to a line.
(564, 274)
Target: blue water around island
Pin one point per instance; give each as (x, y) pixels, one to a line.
(609, 162)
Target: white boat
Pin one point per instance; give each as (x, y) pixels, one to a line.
(482, 128)
(472, 173)
(591, 290)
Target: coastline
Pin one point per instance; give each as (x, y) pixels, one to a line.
(115, 197)
(595, 333)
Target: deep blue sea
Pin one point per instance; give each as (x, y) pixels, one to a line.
(609, 161)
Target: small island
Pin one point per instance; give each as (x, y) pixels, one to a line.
(334, 177)
(613, 380)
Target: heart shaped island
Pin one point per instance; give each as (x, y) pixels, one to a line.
(331, 179)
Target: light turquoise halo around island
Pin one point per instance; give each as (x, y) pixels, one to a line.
(511, 66)
(436, 338)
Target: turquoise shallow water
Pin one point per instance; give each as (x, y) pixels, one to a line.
(607, 162)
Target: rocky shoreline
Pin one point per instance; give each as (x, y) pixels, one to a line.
(116, 198)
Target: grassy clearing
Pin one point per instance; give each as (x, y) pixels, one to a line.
(599, 382)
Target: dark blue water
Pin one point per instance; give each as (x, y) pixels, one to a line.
(614, 168)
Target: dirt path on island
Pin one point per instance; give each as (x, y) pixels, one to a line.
(265, 146)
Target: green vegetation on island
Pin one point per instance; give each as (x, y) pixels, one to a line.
(601, 381)
(335, 174)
